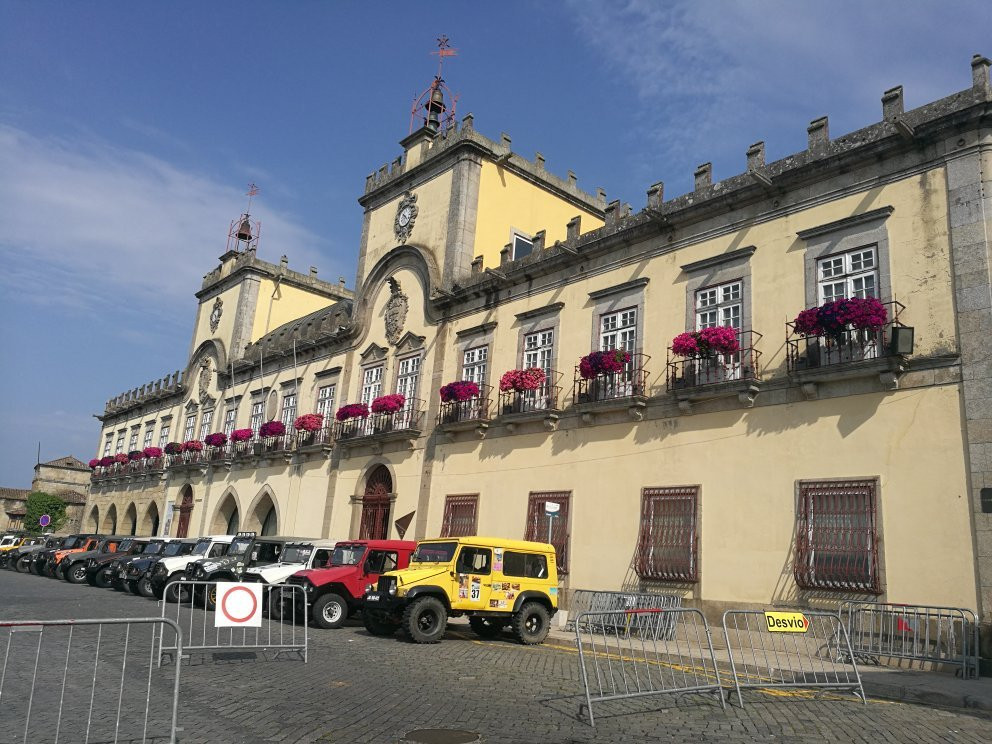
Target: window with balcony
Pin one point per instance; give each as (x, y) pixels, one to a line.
(460, 515)
(257, 415)
(719, 306)
(539, 349)
(618, 331)
(230, 420)
(288, 415)
(149, 435)
(163, 436)
(108, 443)
(667, 545)
(325, 401)
(851, 274)
(836, 537)
(190, 428)
(371, 384)
(474, 365)
(205, 421)
(132, 444)
(538, 523)
(120, 443)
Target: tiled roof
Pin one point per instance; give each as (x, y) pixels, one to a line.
(67, 462)
(14, 493)
(72, 497)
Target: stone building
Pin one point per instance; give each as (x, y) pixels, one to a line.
(805, 467)
(65, 477)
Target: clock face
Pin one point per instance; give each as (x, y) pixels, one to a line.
(405, 215)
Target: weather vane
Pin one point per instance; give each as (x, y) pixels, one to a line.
(440, 116)
(252, 191)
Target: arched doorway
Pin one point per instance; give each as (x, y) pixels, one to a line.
(185, 509)
(227, 519)
(149, 523)
(131, 520)
(110, 521)
(94, 523)
(264, 518)
(375, 505)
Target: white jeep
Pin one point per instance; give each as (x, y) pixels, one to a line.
(296, 556)
(171, 569)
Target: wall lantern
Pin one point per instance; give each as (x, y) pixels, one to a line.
(902, 340)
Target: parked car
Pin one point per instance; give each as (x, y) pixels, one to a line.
(48, 560)
(11, 548)
(72, 567)
(138, 579)
(495, 582)
(117, 569)
(172, 568)
(19, 559)
(8, 541)
(95, 564)
(296, 556)
(335, 592)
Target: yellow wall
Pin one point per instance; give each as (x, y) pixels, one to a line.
(279, 305)
(225, 329)
(508, 202)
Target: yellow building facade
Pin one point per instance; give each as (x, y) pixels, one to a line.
(799, 468)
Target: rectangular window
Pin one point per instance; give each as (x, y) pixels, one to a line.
(288, 410)
(619, 331)
(459, 516)
(230, 419)
(190, 427)
(132, 444)
(666, 548)
(837, 539)
(107, 444)
(525, 565)
(719, 306)
(257, 414)
(120, 444)
(851, 274)
(163, 436)
(539, 349)
(325, 402)
(537, 523)
(474, 364)
(149, 434)
(371, 384)
(205, 421)
(522, 246)
(409, 375)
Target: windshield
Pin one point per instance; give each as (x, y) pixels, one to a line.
(297, 553)
(439, 552)
(125, 546)
(70, 542)
(240, 545)
(176, 548)
(201, 547)
(153, 548)
(347, 555)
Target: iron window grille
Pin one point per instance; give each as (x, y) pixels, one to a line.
(837, 538)
(537, 523)
(460, 516)
(667, 549)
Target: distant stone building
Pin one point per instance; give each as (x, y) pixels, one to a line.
(65, 477)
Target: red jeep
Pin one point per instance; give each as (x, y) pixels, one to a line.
(335, 591)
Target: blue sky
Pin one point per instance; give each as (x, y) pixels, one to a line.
(129, 131)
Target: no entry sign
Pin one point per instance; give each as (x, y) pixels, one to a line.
(238, 605)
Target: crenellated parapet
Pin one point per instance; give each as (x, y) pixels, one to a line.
(172, 384)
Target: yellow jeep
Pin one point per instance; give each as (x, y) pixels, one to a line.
(495, 582)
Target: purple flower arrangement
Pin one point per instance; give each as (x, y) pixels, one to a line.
(603, 363)
(242, 435)
(309, 422)
(217, 439)
(388, 403)
(833, 318)
(459, 391)
(718, 340)
(522, 380)
(272, 429)
(352, 410)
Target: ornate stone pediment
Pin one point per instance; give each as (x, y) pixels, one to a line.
(410, 342)
(373, 353)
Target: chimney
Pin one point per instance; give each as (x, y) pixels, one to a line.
(656, 195)
(756, 156)
(313, 272)
(980, 72)
(703, 176)
(818, 132)
(284, 261)
(892, 103)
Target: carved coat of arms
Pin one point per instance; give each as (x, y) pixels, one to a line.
(395, 311)
(205, 375)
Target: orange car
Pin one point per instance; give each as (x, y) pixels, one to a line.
(85, 542)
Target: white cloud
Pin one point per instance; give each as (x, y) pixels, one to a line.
(711, 77)
(86, 223)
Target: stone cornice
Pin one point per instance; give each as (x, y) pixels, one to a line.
(638, 283)
(476, 330)
(858, 219)
(708, 263)
(247, 264)
(554, 307)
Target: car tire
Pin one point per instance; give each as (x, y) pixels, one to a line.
(101, 581)
(75, 573)
(23, 564)
(330, 611)
(131, 586)
(145, 588)
(175, 593)
(424, 620)
(531, 623)
(486, 627)
(375, 625)
(210, 597)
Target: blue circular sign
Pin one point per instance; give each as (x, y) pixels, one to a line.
(44, 520)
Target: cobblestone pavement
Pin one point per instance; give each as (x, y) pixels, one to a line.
(358, 688)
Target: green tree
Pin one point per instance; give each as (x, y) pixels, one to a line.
(39, 503)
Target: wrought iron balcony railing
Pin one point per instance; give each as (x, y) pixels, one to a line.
(848, 347)
(691, 372)
(631, 381)
(474, 410)
(407, 421)
(545, 399)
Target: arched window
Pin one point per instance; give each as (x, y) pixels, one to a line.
(270, 523)
(375, 505)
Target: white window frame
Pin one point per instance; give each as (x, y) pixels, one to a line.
(205, 421)
(475, 364)
(120, 443)
(618, 330)
(539, 349)
(163, 435)
(132, 443)
(190, 428)
(149, 436)
(372, 383)
(230, 420)
(853, 273)
(257, 415)
(288, 414)
(325, 400)
(720, 305)
(108, 445)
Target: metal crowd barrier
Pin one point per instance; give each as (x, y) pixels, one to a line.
(84, 681)
(790, 649)
(279, 632)
(947, 635)
(586, 600)
(636, 653)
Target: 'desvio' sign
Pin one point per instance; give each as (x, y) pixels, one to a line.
(786, 622)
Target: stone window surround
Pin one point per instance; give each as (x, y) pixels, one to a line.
(848, 234)
(546, 318)
(475, 337)
(709, 272)
(625, 296)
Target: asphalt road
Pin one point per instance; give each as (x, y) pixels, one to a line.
(358, 688)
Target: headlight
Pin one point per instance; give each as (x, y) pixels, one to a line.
(392, 589)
